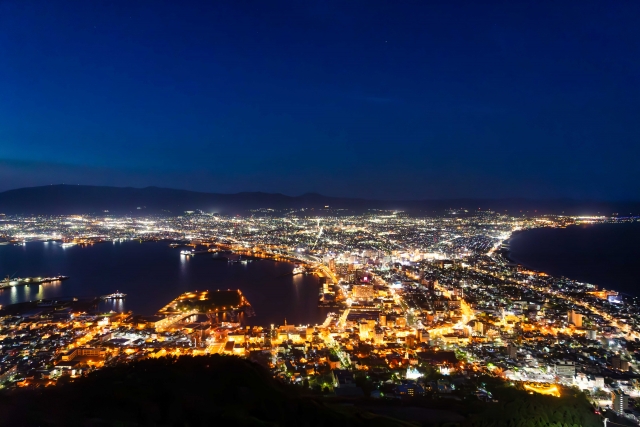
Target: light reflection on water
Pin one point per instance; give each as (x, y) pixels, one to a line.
(603, 254)
(116, 305)
(24, 293)
(152, 274)
(40, 294)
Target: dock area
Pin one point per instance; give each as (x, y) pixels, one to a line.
(20, 281)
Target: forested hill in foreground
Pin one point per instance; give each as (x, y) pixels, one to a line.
(82, 199)
(226, 390)
(187, 391)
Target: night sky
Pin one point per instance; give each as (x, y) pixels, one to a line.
(390, 100)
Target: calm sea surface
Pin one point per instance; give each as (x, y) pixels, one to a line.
(152, 274)
(605, 254)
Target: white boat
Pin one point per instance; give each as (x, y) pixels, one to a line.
(115, 295)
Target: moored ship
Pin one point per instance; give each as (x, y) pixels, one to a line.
(115, 295)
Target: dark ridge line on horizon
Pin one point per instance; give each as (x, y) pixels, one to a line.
(84, 199)
(316, 194)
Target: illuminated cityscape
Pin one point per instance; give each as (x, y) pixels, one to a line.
(319, 213)
(408, 295)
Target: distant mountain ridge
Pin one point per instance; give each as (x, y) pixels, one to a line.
(84, 199)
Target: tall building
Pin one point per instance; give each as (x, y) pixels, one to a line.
(362, 292)
(382, 319)
(341, 269)
(574, 318)
(365, 329)
(512, 351)
(411, 341)
(619, 401)
(618, 363)
(378, 336)
(566, 369)
(615, 362)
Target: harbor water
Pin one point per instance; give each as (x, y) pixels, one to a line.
(607, 255)
(152, 274)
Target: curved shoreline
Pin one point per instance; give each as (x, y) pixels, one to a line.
(555, 264)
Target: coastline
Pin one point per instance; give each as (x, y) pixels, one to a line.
(593, 254)
(152, 274)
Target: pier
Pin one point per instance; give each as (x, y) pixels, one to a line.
(18, 281)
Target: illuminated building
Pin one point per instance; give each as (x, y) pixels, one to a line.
(619, 401)
(618, 363)
(512, 351)
(362, 292)
(382, 319)
(575, 318)
(566, 369)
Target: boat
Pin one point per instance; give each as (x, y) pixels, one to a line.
(47, 279)
(192, 252)
(115, 295)
(298, 270)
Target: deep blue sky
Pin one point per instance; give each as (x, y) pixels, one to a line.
(373, 99)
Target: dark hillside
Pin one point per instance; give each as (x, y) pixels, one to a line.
(188, 391)
(225, 390)
(83, 199)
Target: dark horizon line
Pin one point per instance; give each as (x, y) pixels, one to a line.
(313, 193)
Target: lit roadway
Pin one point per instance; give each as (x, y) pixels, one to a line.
(344, 357)
(332, 344)
(169, 321)
(614, 321)
(290, 256)
(465, 308)
(326, 272)
(408, 312)
(343, 318)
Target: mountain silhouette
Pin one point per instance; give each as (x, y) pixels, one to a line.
(84, 199)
